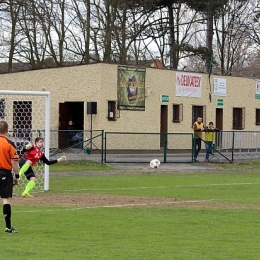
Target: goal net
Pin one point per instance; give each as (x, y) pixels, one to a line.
(28, 115)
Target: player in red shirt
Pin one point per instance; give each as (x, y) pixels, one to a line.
(32, 156)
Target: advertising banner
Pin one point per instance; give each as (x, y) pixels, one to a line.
(188, 84)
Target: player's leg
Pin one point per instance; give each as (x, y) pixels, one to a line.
(24, 166)
(30, 176)
(207, 151)
(6, 190)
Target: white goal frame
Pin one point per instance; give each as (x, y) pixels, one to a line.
(47, 125)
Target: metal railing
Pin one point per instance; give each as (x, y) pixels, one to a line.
(178, 147)
(238, 144)
(142, 147)
(128, 147)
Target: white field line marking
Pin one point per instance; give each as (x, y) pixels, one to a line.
(118, 206)
(170, 187)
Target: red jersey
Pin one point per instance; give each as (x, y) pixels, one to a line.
(34, 154)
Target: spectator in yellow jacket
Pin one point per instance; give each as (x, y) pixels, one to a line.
(209, 139)
(198, 128)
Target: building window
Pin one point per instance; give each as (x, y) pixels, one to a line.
(238, 118)
(177, 115)
(257, 116)
(2, 108)
(198, 111)
(111, 110)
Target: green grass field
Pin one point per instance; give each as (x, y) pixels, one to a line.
(217, 219)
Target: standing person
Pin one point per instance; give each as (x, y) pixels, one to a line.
(71, 129)
(32, 156)
(75, 136)
(8, 161)
(209, 138)
(78, 138)
(198, 128)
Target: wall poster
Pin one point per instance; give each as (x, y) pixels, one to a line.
(131, 88)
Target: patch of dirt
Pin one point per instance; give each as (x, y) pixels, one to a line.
(101, 200)
(104, 200)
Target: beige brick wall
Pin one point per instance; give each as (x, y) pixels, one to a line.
(98, 82)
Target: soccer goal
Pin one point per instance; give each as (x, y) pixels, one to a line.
(28, 117)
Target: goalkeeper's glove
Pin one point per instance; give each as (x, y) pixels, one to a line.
(28, 146)
(61, 159)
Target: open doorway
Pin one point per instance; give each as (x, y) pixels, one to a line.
(219, 118)
(69, 111)
(198, 111)
(219, 125)
(163, 123)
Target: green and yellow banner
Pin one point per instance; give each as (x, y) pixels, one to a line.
(131, 88)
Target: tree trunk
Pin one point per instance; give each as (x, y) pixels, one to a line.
(172, 41)
(86, 56)
(209, 36)
(13, 15)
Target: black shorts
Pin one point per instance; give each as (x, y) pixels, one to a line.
(6, 184)
(29, 173)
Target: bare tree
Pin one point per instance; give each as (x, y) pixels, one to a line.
(14, 11)
(54, 32)
(231, 37)
(10, 11)
(54, 27)
(77, 43)
(253, 23)
(42, 25)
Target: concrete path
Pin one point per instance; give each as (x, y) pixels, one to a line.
(117, 161)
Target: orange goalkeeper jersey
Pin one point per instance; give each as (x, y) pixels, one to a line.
(7, 153)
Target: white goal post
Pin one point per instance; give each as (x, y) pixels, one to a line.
(24, 111)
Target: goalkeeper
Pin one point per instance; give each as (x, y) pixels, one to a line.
(32, 156)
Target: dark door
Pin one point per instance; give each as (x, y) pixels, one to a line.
(198, 111)
(164, 123)
(219, 118)
(219, 125)
(73, 111)
(63, 124)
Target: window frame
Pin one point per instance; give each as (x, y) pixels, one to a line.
(112, 108)
(177, 113)
(257, 116)
(238, 118)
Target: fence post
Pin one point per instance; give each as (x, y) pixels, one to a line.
(193, 148)
(105, 152)
(165, 135)
(233, 143)
(102, 147)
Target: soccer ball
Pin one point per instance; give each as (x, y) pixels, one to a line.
(155, 163)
